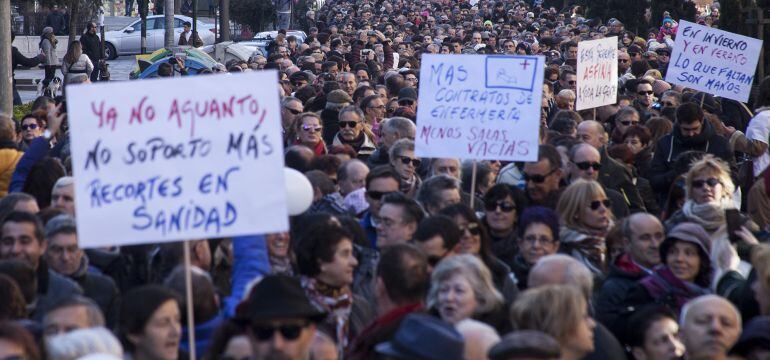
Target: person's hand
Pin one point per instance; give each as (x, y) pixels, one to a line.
(180, 62)
(746, 235)
(55, 115)
(362, 36)
(380, 35)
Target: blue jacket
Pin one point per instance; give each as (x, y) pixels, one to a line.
(371, 232)
(203, 335)
(250, 261)
(37, 150)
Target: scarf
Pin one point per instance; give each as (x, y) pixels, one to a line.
(664, 287)
(586, 245)
(337, 302)
(356, 143)
(281, 265)
(709, 215)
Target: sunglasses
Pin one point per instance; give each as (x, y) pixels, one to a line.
(504, 206)
(288, 332)
(377, 195)
(596, 204)
(585, 165)
(537, 179)
(572, 82)
(628, 122)
(29, 127)
(406, 102)
(712, 182)
(309, 128)
(473, 228)
(293, 111)
(406, 160)
(348, 124)
(650, 92)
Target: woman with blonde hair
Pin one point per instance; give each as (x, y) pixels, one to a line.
(307, 129)
(461, 288)
(585, 220)
(560, 311)
(75, 62)
(709, 191)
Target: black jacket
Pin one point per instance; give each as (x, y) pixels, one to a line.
(615, 176)
(52, 288)
(102, 290)
(379, 157)
(610, 305)
(92, 47)
(331, 126)
(669, 147)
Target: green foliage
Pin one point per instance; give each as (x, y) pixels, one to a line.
(255, 13)
(21, 110)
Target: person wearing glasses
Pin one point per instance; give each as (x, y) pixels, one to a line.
(307, 131)
(537, 236)
(584, 209)
(438, 237)
(353, 132)
(405, 163)
(691, 132)
(585, 163)
(500, 215)
(399, 217)
(709, 192)
(32, 126)
(542, 178)
(380, 181)
(290, 107)
(475, 241)
(645, 98)
(625, 118)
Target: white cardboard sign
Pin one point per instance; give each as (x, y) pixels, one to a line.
(597, 73)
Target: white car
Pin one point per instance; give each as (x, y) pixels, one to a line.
(127, 41)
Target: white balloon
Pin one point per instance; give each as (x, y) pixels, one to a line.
(299, 191)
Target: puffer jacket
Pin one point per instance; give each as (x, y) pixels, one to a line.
(9, 157)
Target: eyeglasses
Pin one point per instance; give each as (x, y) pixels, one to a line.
(504, 206)
(406, 160)
(348, 124)
(642, 93)
(310, 128)
(29, 127)
(712, 182)
(629, 122)
(380, 107)
(597, 203)
(572, 82)
(288, 332)
(473, 228)
(293, 111)
(537, 179)
(585, 165)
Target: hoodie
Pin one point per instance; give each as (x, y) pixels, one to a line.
(669, 147)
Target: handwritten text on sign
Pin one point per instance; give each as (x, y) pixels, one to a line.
(480, 107)
(714, 61)
(597, 73)
(175, 159)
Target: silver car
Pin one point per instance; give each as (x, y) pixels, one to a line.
(127, 41)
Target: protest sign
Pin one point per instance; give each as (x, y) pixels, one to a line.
(176, 159)
(714, 61)
(480, 107)
(597, 73)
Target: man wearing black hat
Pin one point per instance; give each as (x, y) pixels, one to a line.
(189, 37)
(280, 318)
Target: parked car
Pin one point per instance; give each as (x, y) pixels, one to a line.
(263, 39)
(127, 41)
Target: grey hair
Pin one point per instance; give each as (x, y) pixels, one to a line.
(475, 272)
(354, 109)
(399, 124)
(573, 272)
(700, 299)
(429, 193)
(625, 112)
(94, 314)
(64, 181)
(83, 342)
(63, 223)
(400, 146)
(287, 99)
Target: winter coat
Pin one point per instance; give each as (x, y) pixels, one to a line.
(101, 289)
(615, 176)
(9, 157)
(669, 147)
(92, 47)
(378, 331)
(82, 66)
(49, 50)
(623, 275)
(663, 288)
(52, 288)
(250, 260)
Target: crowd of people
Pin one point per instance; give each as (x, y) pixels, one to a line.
(639, 233)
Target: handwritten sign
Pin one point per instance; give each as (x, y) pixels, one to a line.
(177, 159)
(597, 73)
(714, 61)
(480, 107)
